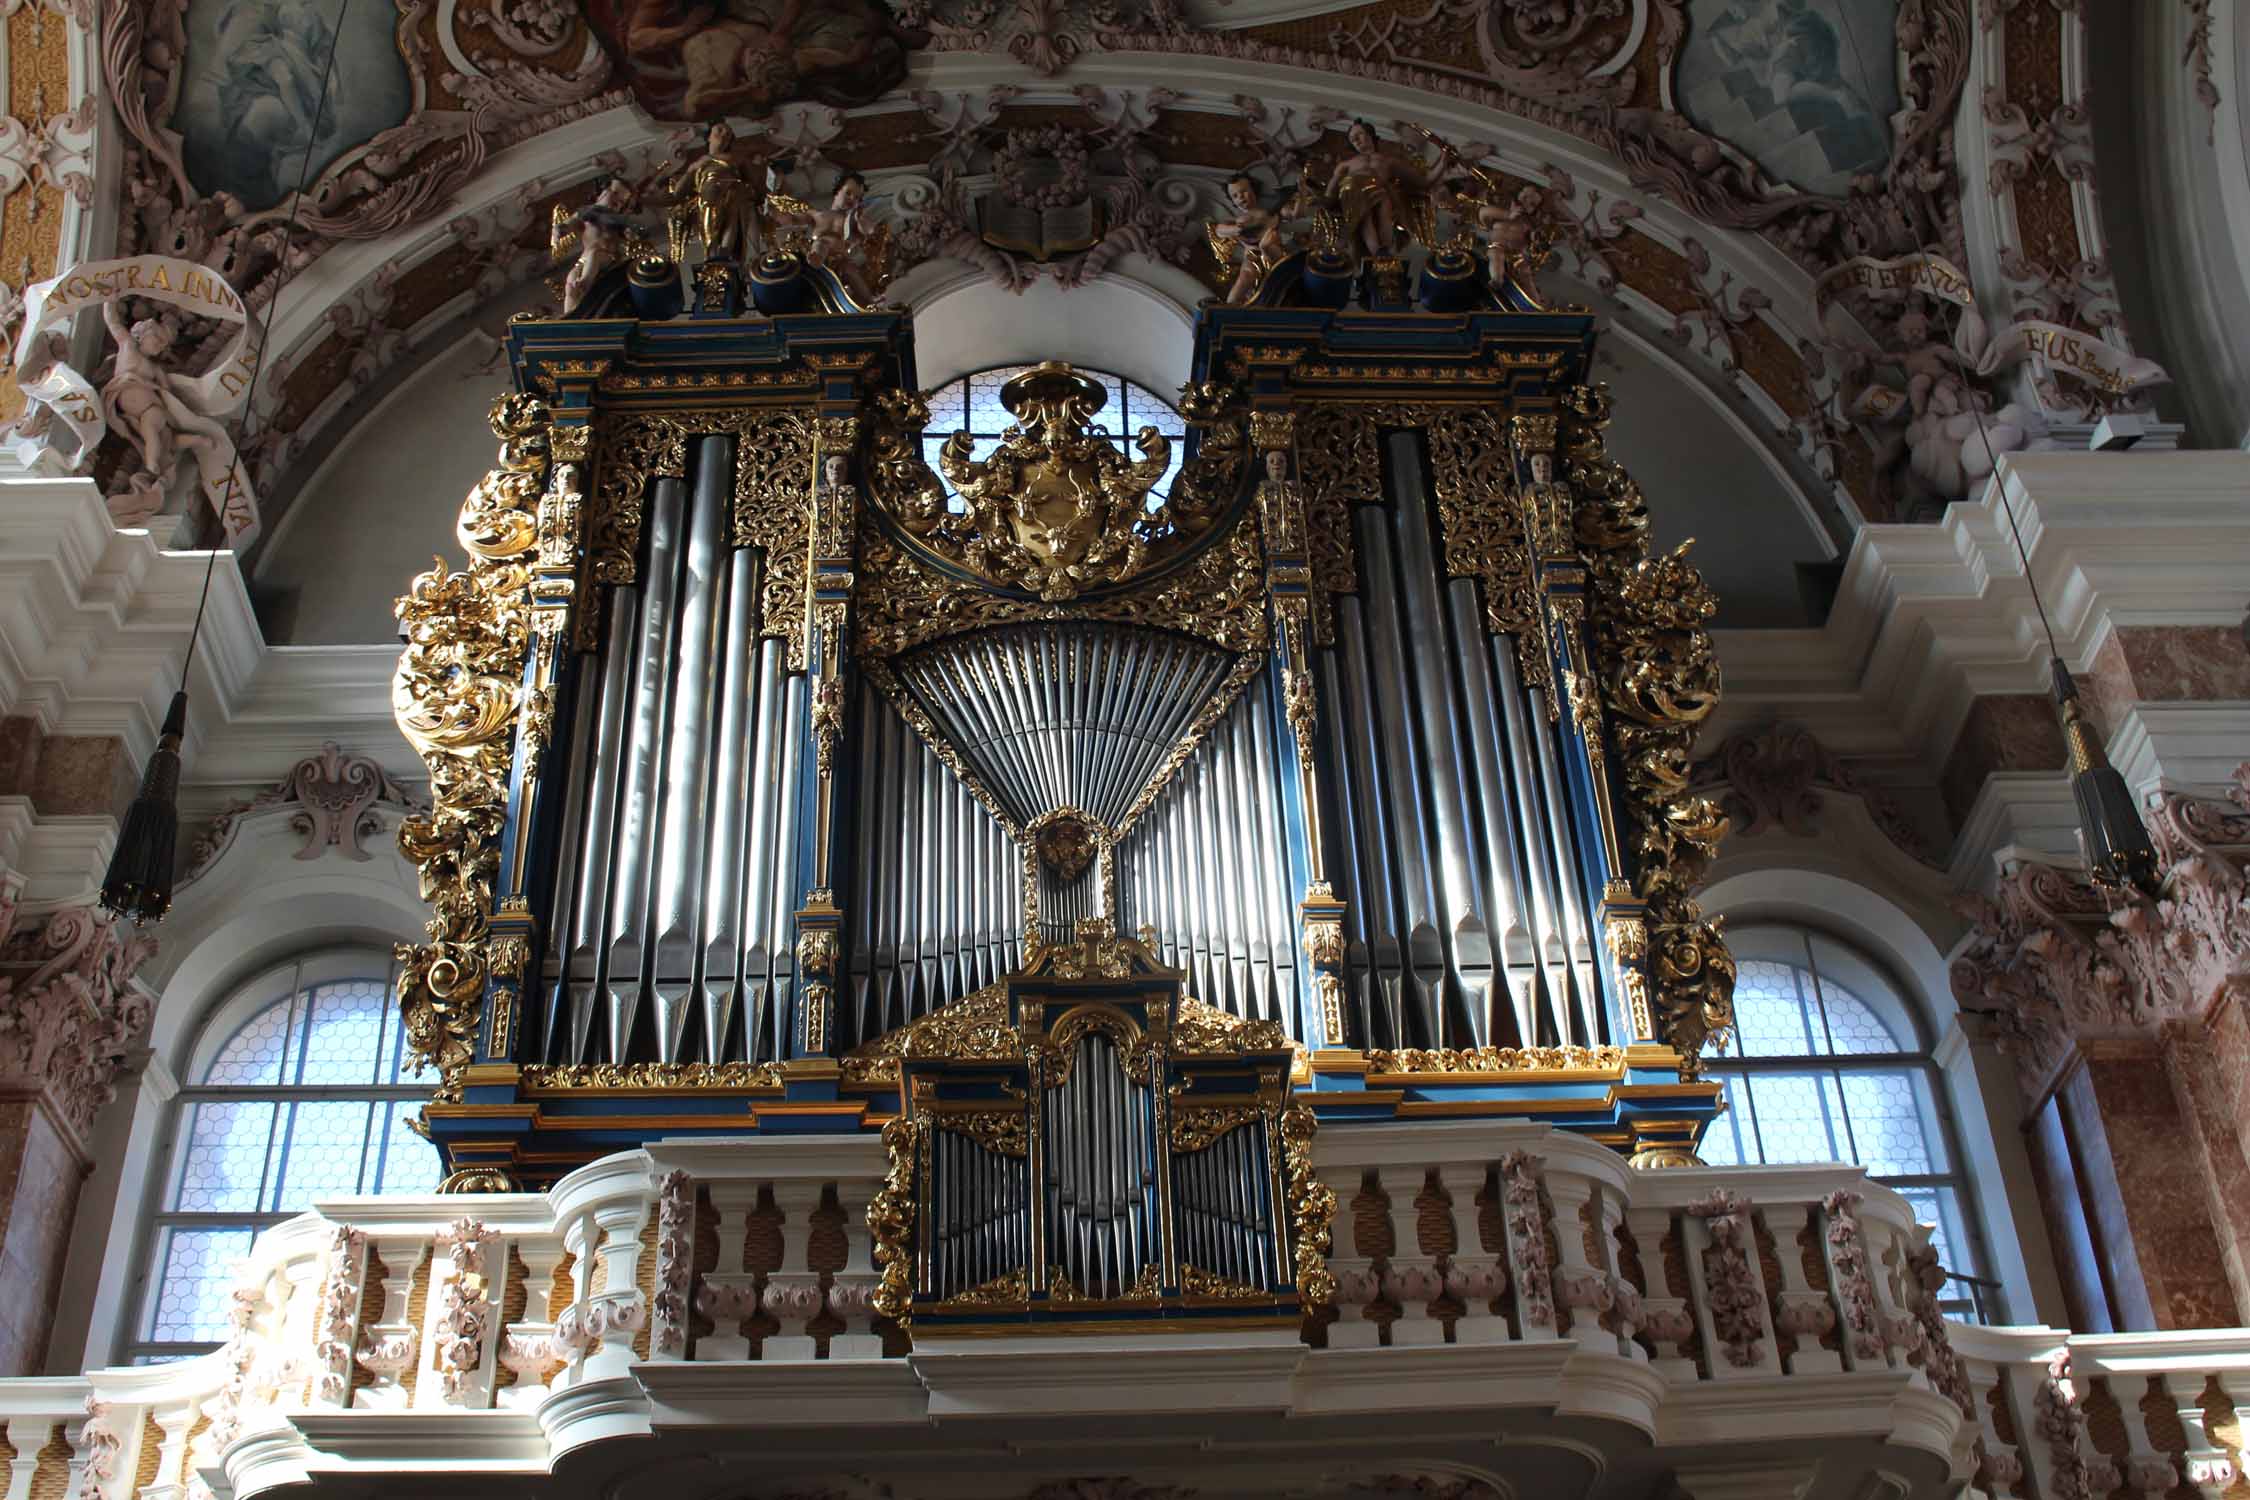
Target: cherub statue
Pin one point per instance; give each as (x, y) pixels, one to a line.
(598, 233)
(1376, 191)
(842, 237)
(1251, 243)
(139, 400)
(1517, 237)
(715, 198)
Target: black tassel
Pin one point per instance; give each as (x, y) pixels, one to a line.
(2118, 851)
(139, 882)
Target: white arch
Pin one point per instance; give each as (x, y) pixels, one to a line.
(1128, 322)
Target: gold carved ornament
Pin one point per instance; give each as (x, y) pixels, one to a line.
(1197, 1126)
(890, 1221)
(1312, 1208)
(1056, 522)
(1004, 1131)
(456, 696)
(1659, 677)
(1496, 1059)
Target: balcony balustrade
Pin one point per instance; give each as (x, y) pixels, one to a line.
(1492, 1283)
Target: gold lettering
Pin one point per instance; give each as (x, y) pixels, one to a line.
(158, 280)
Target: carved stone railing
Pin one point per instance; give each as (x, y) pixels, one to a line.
(1788, 1313)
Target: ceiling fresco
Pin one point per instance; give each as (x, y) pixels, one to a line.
(1789, 194)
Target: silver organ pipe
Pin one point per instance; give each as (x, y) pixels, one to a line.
(1467, 919)
(1464, 927)
(688, 750)
(781, 857)
(644, 756)
(1202, 867)
(935, 882)
(731, 803)
(1096, 1173)
(767, 801)
(678, 839)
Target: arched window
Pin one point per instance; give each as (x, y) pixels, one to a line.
(1829, 1062)
(297, 1089)
(971, 404)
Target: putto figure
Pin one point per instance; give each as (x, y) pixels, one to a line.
(843, 237)
(600, 234)
(140, 400)
(1251, 243)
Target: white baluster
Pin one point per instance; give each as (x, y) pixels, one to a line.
(1356, 1285)
(793, 1292)
(1409, 1277)
(173, 1424)
(2147, 1472)
(1665, 1317)
(729, 1294)
(2208, 1466)
(851, 1292)
(1582, 1287)
(527, 1346)
(1472, 1276)
(1802, 1311)
(387, 1346)
(27, 1436)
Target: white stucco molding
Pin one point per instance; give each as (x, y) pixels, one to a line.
(1928, 618)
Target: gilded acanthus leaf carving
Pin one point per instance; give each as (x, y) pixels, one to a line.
(1660, 680)
(457, 695)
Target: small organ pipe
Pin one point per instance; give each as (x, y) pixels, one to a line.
(730, 802)
(588, 951)
(757, 849)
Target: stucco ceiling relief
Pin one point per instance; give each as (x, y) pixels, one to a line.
(1780, 141)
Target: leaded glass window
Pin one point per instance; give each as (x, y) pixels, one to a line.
(1829, 1062)
(971, 404)
(300, 1089)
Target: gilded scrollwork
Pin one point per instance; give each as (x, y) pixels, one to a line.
(974, 1026)
(681, 1077)
(1003, 1130)
(1195, 1127)
(1010, 1289)
(1211, 1286)
(1312, 1208)
(457, 697)
(1200, 1029)
(1605, 1059)
(1147, 1287)
(890, 1221)
(1659, 677)
(1057, 510)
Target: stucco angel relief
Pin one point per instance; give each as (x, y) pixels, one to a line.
(705, 59)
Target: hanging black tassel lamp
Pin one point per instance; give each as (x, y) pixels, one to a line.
(2117, 847)
(139, 882)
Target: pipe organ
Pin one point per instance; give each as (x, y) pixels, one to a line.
(785, 780)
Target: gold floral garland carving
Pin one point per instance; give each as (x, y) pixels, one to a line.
(1496, 1059)
(456, 696)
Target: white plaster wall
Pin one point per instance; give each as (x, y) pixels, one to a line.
(381, 504)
